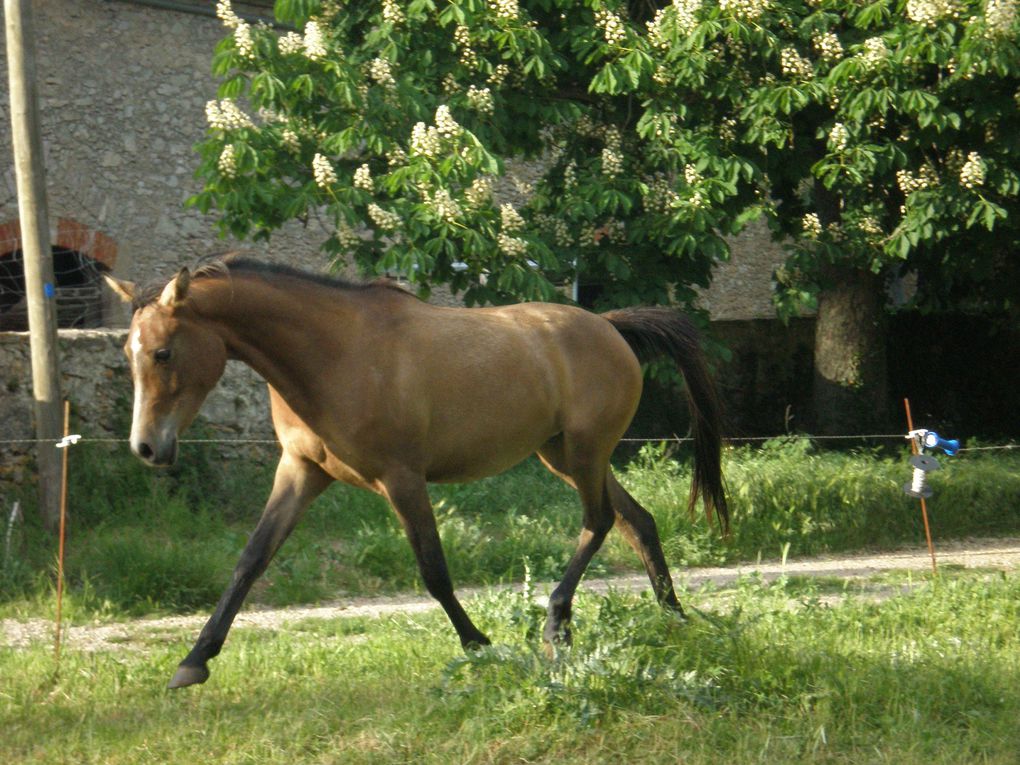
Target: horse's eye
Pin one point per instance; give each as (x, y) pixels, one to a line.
(162, 355)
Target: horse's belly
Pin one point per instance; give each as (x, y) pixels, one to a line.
(484, 446)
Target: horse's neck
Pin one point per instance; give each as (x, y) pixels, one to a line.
(269, 327)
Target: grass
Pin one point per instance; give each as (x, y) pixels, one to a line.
(143, 541)
(762, 673)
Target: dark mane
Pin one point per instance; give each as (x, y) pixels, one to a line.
(234, 264)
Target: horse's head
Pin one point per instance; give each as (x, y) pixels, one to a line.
(176, 359)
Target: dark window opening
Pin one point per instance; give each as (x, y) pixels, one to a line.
(78, 290)
(589, 294)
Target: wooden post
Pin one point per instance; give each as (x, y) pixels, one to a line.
(35, 245)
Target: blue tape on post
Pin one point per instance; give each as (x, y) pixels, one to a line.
(49, 291)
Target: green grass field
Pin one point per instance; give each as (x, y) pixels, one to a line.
(143, 541)
(798, 671)
(761, 673)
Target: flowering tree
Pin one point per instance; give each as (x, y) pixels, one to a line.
(398, 122)
(879, 137)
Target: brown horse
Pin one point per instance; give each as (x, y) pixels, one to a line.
(373, 387)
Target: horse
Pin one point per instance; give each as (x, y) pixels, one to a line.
(374, 387)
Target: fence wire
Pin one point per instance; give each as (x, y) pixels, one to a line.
(731, 440)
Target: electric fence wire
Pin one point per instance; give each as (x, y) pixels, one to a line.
(655, 440)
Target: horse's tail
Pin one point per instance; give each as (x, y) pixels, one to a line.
(656, 332)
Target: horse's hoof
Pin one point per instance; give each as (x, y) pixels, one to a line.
(188, 675)
(476, 643)
(555, 638)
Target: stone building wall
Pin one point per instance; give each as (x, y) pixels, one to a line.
(122, 90)
(96, 380)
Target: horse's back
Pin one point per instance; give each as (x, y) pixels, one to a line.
(503, 381)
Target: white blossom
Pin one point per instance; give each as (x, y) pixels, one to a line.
(479, 192)
(499, 74)
(384, 219)
(480, 100)
(506, 9)
(811, 225)
(425, 140)
(363, 178)
(926, 178)
(290, 140)
(557, 228)
(347, 237)
(745, 10)
(523, 187)
(839, 136)
(314, 43)
(323, 172)
(794, 65)
(511, 245)
(656, 31)
(875, 52)
(225, 114)
(396, 156)
(612, 162)
(570, 175)
(227, 162)
(380, 70)
(243, 40)
(291, 43)
(510, 219)
(692, 175)
(447, 126)
(613, 29)
(1000, 17)
(660, 196)
(870, 226)
(930, 12)
(443, 205)
(686, 13)
(225, 13)
(392, 13)
(972, 174)
(828, 46)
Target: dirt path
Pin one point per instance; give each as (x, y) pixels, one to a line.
(995, 554)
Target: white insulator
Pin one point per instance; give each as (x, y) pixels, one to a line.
(918, 486)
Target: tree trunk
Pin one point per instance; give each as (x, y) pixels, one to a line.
(850, 386)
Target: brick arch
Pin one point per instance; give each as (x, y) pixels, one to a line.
(79, 254)
(71, 235)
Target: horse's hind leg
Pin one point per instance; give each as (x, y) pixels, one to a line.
(410, 500)
(587, 473)
(638, 528)
(297, 483)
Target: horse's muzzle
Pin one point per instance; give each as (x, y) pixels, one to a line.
(157, 454)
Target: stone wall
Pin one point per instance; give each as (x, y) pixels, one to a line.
(96, 380)
(122, 90)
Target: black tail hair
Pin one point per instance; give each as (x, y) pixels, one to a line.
(656, 332)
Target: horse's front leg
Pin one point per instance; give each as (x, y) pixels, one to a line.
(409, 498)
(297, 483)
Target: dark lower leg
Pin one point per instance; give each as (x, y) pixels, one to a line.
(410, 500)
(639, 529)
(297, 484)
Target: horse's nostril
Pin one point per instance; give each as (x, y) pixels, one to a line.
(145, 451)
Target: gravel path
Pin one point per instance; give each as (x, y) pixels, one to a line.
(995, 554)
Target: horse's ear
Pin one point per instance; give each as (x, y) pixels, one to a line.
(124, 290)
(177, 289)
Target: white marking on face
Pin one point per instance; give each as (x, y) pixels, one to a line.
(135, 344)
